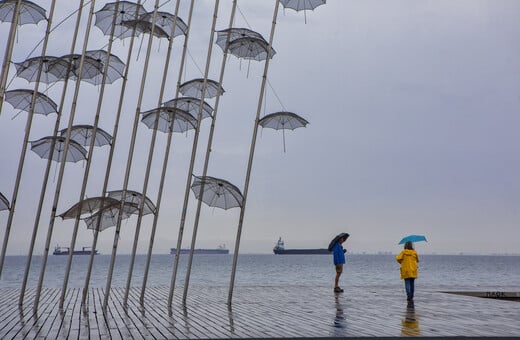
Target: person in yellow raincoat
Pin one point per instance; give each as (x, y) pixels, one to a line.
(408, 259)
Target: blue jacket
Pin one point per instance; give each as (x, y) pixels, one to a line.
(339, 255)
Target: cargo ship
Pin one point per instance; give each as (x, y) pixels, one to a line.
(66, 250)
(221, 250)
(279, 249)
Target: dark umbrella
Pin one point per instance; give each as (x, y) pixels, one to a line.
(194, 87)
(250, 48)
(21, 99)
(183, 121)
(30, 13)
(165, 20)
(134, 197)
(88, 206)
(336, 239)
(217, 192)
(191, 105)
(282, 121)
(4, 202)
(234, 34)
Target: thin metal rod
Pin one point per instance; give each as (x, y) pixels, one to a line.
(89, 158)
(251, 154)
(208, 153)
(49, 163)
(159, 103)
(129, 161)
(7, 60)
(193, 154)
(150, 154)
(109, 162)
(63, 160)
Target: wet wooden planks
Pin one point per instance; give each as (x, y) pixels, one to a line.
(256, 312)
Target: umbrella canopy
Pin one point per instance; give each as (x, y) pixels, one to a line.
(282, 121)
(217, 192)
(302, 5)
(88, 206)
(182, 120)
(44, 145)
(134, 197)
(194, 87)
(4, 202)
(28, 69)
(21, 99)
(191, 105)
(235, 33)
(30, 13)
(144, 26)
(412, 238)
(83, 135)
(126, 10)
(116, 67)
(336, 239)
(250, 48)
(109, 215)
(165, 21)
(70, 65)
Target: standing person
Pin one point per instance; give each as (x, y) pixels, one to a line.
(408, 259)
(338, 253)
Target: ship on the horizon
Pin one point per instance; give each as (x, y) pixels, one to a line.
(66, 251)
(279, 249)
(221, 250)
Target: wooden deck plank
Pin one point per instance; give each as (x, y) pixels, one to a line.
(256, 312)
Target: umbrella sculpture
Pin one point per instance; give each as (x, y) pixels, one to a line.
(194, 87)
(109, 215)
(234, 34)
(145, 26)
(4, 202)
(30, 13)
(21, 99)
(92, 68)
(28, 69)
(126, 11)
(134, 197)
(44, 145)
(282, 121)
(250, 48)
(165, 21)
(182, 120)
(412, 238)
(88, 206)
(217, 192)
(83, 135)
(302, 5)
(191, 105)
(116, 67)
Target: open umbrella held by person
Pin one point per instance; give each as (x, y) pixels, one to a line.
(338, 252)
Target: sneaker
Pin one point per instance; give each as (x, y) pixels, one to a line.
(338, 290)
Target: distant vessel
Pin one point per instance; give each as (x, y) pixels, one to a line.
(279, 249)
(66, 250)
(221, 250)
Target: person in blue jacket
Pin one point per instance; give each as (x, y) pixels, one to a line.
(339, 259)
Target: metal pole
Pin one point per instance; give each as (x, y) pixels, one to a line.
(193, 154)
(150, 155)
(251, 154)
(109, 162)
(48, 167)
(208, 152)
(63, 161)
(129, 161)
(7, 58)
(89, 159)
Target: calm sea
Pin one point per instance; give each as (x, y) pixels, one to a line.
(363, 271)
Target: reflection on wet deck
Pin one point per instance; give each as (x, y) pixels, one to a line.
(257, 312)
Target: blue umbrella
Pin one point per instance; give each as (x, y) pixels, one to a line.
(413, 238)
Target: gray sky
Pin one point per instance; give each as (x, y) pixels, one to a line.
(413, 109)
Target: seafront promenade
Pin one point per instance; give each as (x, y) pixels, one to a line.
(257, 312)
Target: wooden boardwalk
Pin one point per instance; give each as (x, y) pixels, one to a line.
(257, 312)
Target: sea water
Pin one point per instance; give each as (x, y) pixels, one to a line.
(438, 272)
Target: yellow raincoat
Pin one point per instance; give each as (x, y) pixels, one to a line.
(408, 259)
